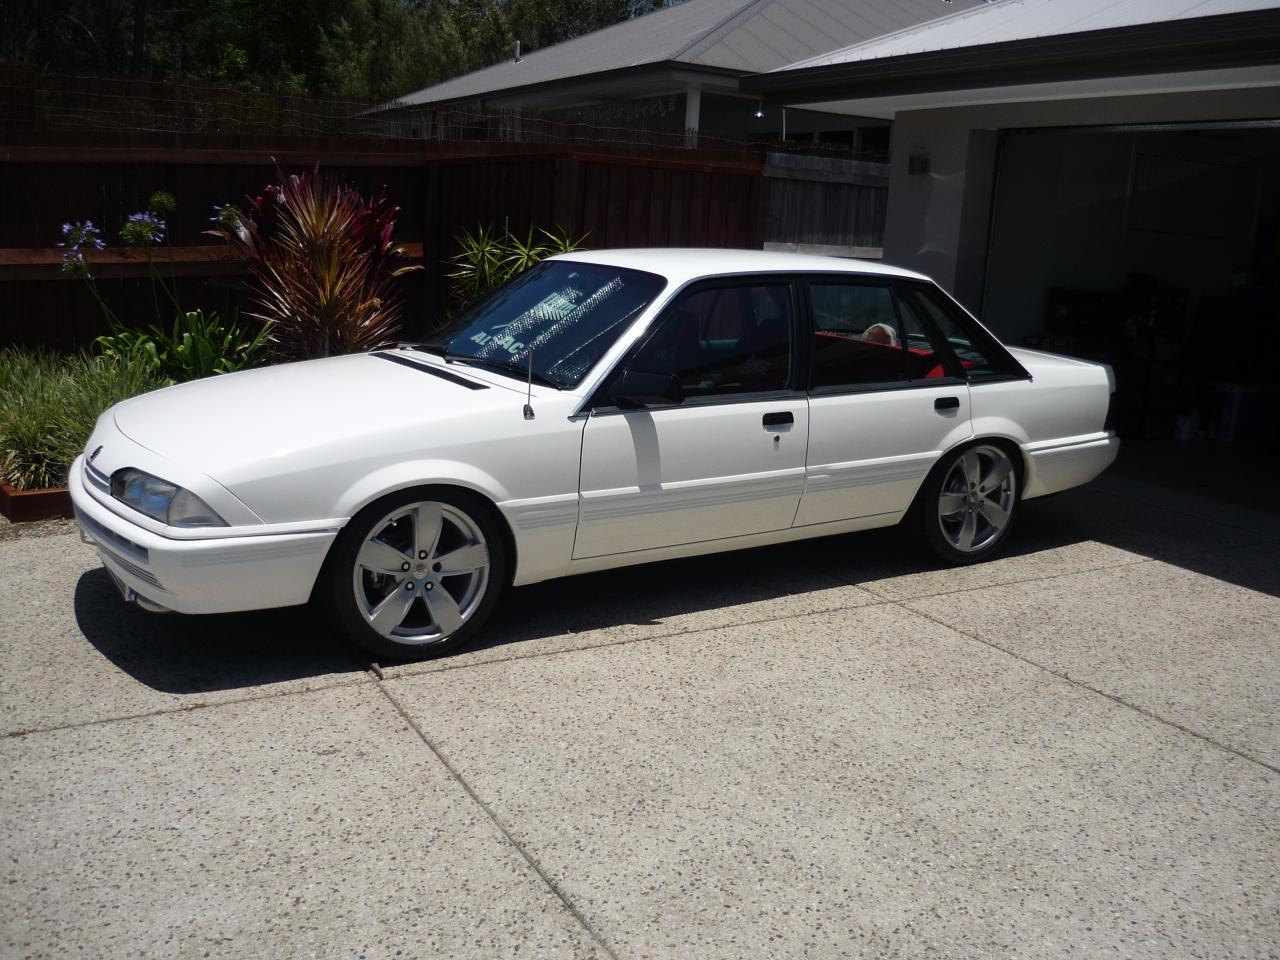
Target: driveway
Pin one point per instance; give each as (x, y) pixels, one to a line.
(819, 750)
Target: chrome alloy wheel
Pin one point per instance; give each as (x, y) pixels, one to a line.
(978, 495)
(421, 573)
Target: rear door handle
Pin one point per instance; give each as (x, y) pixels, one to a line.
(947, 403)
(778, 419)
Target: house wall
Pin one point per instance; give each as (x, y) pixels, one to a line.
(938, 221)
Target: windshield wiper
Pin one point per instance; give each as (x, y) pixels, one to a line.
(510, 367)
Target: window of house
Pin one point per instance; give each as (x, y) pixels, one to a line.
(724, 340)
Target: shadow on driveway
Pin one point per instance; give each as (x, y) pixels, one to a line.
(186, 654)
(180, 654)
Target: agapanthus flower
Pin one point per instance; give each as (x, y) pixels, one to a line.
(78, 235)
(143, 229)
(75, 265)
(75, 238)
(162, 203)
(229, 215)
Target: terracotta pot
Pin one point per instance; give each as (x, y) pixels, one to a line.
(44, 504)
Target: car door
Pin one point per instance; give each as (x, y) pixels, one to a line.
(887, 398)
(727, 458)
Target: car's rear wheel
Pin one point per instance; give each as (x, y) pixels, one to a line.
(968, 503)
(417, 573)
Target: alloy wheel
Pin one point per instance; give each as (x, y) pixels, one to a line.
(421, 573)
(977, 498)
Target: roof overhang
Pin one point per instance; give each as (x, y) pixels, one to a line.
(647, 79)
(1239, 49)
(888, 107)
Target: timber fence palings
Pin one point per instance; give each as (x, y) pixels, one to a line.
(649, 198)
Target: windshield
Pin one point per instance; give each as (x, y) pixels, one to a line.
(567, 313)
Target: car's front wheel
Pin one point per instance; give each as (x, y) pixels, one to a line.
(417, 572)
(968, 503)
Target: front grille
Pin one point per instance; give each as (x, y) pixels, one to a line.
(111, 539)
(132, 568)
(97, 478)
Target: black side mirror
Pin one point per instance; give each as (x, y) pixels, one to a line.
(640, 388)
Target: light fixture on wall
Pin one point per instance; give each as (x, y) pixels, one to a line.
(759, 111)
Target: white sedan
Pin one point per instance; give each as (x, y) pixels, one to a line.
(603, 409)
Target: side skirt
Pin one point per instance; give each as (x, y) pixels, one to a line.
(811, 531)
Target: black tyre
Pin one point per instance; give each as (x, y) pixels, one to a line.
(417, 573)
(967, 505)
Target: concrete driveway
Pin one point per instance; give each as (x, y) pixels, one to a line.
(820, 750)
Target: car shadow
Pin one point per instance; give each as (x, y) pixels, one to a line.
(180, 654)
(651, 594)
(1090, 528)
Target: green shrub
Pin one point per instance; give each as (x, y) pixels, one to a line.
(49, 404)
(199, 345)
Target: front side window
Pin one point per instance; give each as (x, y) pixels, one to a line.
(567, 314)
(724, 340)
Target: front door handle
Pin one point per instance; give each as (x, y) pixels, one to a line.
(778, 419)
(947, 403)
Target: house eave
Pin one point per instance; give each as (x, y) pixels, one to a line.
(1203, 43)
(664, 76)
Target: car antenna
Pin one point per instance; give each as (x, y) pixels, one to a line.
(528, 403)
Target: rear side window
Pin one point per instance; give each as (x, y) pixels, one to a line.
(926, 308)
(862, 338)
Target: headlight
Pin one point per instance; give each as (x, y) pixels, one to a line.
(162, 500)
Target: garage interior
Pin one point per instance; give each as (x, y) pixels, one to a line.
(1155, 249)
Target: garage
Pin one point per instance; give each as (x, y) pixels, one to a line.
(1100, 180)
(1157, 249)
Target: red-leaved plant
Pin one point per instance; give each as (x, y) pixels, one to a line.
(323, 262)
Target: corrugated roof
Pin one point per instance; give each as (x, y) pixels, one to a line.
(750, 36)
(1003, 21)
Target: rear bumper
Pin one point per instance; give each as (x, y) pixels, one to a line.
(1061, 466)
(217, 575)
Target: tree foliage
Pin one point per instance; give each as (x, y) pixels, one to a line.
(359, 49)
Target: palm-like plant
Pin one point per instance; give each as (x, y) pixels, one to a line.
(480, 266)
(486, 260)
(324, 265)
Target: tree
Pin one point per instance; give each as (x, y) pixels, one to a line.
(360, 49)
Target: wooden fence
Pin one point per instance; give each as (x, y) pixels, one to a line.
(826, 205)
(630, 198)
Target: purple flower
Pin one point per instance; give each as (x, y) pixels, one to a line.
(143, 229)
(77, 235)
(74, 264)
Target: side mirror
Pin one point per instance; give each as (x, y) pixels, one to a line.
(640, 388)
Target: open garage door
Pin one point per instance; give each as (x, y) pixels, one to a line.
(1155, 249)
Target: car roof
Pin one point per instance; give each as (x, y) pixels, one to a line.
(680, 265)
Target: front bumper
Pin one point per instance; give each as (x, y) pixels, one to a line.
(217, 575)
